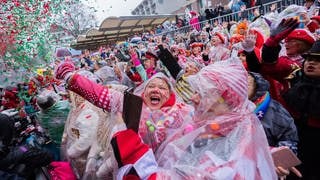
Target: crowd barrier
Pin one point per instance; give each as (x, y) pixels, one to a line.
(278, 5)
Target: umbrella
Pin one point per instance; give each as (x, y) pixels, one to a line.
(62, 52)
(75, 52)
(135, 40)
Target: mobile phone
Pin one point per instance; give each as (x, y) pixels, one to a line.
(284, 157)
(132, 107)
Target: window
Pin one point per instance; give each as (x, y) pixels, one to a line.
(202, 3)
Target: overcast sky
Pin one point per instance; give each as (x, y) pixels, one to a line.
(106, 8)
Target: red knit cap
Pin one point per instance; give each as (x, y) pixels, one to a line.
(196, 44)
(302, 35)
(150, 55)
(220, 36)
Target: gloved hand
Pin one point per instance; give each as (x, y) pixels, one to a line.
(134, 57)
(133, 156)
(64, 70)
(279, 33)
(133, 53)
(249, 42)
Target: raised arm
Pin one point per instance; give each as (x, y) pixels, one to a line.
(271, 47)
(95, 93)
(169, 61)
(137, 63)
(250, 49)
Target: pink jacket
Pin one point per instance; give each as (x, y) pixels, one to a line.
(194, 22)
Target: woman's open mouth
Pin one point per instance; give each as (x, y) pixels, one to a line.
(155, 100)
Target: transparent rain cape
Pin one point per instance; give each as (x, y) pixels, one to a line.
(229, 145)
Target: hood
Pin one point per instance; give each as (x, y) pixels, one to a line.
(262, 85)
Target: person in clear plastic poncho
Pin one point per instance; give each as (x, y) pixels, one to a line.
(226, 141)
(229, 141)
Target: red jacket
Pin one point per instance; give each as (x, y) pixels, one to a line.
(277, 70)
(281, 72)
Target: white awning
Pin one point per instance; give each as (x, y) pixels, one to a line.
(114, 29)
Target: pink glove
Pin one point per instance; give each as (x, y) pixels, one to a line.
(64, 70)
(135, 60)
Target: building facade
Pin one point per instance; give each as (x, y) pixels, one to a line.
(152, 7)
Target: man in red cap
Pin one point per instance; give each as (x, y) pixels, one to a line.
(278, 69)
(149, 64)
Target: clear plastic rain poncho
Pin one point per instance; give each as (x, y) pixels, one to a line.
(167, 121)
(228, 141)
(292, 11)
(107, 75)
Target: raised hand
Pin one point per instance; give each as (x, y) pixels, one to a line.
(283, 29)
(64, 70)
(132, 52)
(249, 42)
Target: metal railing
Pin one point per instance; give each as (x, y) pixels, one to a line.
(238, 16)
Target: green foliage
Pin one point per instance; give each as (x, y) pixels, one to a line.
(25, 31)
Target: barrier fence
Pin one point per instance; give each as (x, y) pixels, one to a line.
(278, 5)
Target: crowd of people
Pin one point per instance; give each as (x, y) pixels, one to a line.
(216, 102)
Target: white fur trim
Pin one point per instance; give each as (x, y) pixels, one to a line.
(144, 167)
